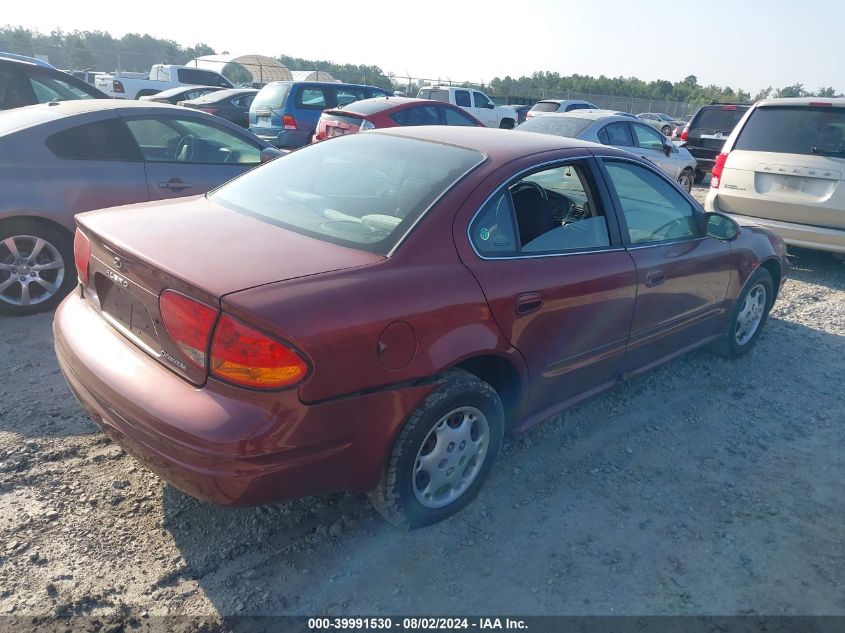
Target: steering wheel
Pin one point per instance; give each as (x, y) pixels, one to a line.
(185, 148)
(523, 184)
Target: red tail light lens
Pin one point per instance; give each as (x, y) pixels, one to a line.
(718, 167)
(81, 255)
(289, 122)
(684, 134)
(244, 356)
(189, 324)
(117, 87)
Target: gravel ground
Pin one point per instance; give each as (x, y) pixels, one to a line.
(705, 487)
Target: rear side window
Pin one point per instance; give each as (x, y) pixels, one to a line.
(103, 140)
(418, 115)
(616, 134)
(545, 106)
(14, 93)
(312, 97)
(202, 78)
(457, 117)
(55, 88)
(722, 119)
(794, 130)
(462, 98)
(345, 96)
(437, 95)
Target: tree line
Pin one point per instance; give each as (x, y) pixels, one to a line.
(98, 50)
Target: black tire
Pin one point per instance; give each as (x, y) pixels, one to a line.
(666, 130)
(685, 180)
(728, 345)
(506, 124)
(394, 496)
(55, 238)
(698, 176)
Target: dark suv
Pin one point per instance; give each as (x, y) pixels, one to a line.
(25, 81)
(707, 132)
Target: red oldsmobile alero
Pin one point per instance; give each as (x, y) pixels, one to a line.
(375, 313)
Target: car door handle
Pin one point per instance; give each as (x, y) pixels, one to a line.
(174, 184)
(655, 277)
(528, 302)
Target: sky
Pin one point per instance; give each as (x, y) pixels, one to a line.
(748, 44)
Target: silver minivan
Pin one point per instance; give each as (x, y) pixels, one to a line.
(782, 168)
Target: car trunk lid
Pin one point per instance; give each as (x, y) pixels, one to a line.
(197, 248)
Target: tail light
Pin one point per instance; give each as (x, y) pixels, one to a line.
(117, 87)
(718, 168)
(289, 122)
(210, 110)
(684, 134)
(189, 324)
(244, 356)
(367, 125)
(81, 255)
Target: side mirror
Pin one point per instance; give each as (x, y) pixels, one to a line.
(270, 153)
(667, 148)
(490, 105)
(720, 227)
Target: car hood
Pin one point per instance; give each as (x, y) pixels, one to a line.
(213, 248)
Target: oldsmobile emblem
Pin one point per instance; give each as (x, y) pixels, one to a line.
(118, 263)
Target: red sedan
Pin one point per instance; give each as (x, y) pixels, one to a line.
(377, 312)
(384, 112)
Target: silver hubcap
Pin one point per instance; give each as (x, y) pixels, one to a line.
(750, 314)
(450, 457)
(31, 270)
(685, 181)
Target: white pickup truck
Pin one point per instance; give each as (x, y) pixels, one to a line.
(127, 85)
(473, 101)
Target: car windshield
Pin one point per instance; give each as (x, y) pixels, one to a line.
(664, 117)
(569, 126)
(722, 119)
(545, 106)
(794, 130)
(364, 191)
(272, 95)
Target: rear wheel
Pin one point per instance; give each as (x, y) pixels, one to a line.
(748, 317)
(36, 266)
(666, 130)
(443, 453)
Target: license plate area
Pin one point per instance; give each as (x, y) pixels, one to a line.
(333, 130)
(125, 311)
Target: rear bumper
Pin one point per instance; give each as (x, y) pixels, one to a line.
(801, 235)
(220, 443)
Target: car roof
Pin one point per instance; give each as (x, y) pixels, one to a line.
(837, 102)
(25, 60)
(380, 104)
(592, 115)
(81, 106)
(500, 145)
(562, 101)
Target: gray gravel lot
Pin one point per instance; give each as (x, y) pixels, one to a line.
(705, 487)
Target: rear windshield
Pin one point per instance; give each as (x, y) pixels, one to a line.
(363, 190)
(272, 95)
(718, 119)
(569, 126)
(545, 106)
(794, 130)
(370, 106)
(437, 95)
(219, 95)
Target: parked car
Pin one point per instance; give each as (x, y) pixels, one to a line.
(782, 168)
(661, 122)
(473, 101)
(293, 332)
(232, 105)
(706, 132)
(622, 132)
(559, 105)
(182, 93)
(26, 81)
(285, 113)
(381, 112)
(521, 111)
(59, 159)
(130, 85)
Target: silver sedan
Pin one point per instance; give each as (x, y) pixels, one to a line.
(623, 132)
(663, 123)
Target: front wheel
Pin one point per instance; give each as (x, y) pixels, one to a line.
(748, 317)
(36, 267)
(443, 453)
(666, 130)
(685, 180)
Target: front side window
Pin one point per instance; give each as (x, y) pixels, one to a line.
(647, 137)
(481, 101)
(172, 139)
(202, 78)
(363, 190)
(462, 98)
(453, 116)
(103, 140)
(345, 96)
(654, 210)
